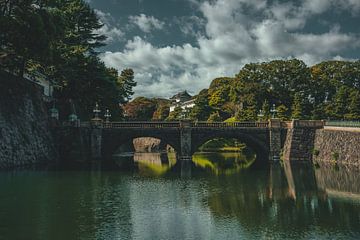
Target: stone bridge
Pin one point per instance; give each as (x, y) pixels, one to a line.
(269, 139)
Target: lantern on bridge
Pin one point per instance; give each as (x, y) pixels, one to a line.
(107, 115)
(96, 111)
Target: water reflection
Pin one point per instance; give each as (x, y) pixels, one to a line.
(158, 164)
(223, 163)
(339, 182)
(277, 202)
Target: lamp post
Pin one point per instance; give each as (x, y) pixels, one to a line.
(54, 113)
(261, 114)
(107, 115)
(273, 111)
(96, 111)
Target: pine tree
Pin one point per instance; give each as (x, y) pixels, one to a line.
(127, 83)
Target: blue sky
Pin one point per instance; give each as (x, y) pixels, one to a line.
(176, 45)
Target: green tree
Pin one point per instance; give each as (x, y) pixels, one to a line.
(162, 110)
(214, 117)
(175, 115)
(265, 110)
(127, 83)
(340, 103)
(201, 111)
(27, 34)
(296, 110)
(282, 112)
(353, 106)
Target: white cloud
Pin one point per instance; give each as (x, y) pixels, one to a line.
(146, 23)
(109, 28)
(232, 38)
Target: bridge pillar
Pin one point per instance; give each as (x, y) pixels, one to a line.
(95, 142)
(185, 141)
(275, 139)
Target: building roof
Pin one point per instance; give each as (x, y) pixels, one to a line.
(183, 96)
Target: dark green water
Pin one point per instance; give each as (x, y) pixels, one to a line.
(161, 200)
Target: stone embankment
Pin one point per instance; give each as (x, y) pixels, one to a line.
(337, 145)
(333, 145)
(25, 136)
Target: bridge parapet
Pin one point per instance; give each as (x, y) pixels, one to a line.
(230, 125)
(141, 125)
(308, 124)
(181, 124)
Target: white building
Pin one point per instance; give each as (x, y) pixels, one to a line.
(44, 82)
(183, 100)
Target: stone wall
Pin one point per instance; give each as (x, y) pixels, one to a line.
(25, 136)
(299, 140)
(299, 144)
(337, 146)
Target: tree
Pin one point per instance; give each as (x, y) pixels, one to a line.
(162, 109)
(296, 110)
(282, 112)
(339, 103)
(127, 83)
(266, 110)
(219, 92)
(214, 117)
(201, 111)
(175, 115)
(27, 34)
(353, 106)
(140, 109)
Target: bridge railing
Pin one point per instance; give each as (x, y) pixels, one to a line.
(308, 123)
(230, 124)
(141, 124)
(352, 124)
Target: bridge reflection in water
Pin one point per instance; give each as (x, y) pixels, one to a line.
(157, 164)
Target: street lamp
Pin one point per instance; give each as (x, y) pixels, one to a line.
(273, 111)
(54, 113)
(96, 111)
(261, 114)
(107, 115)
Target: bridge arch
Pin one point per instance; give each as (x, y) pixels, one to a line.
(258, 142)
(112, 140)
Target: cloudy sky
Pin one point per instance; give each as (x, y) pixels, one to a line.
(176, 45)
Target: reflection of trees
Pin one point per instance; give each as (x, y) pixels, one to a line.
(223, 163)
(258, 203)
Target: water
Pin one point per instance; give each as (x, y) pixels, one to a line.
(157, 199)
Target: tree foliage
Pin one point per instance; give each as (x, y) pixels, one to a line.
(328, 90)
(60, 39)
(146, 109)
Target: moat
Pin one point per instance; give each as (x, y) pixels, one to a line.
(148, 196)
